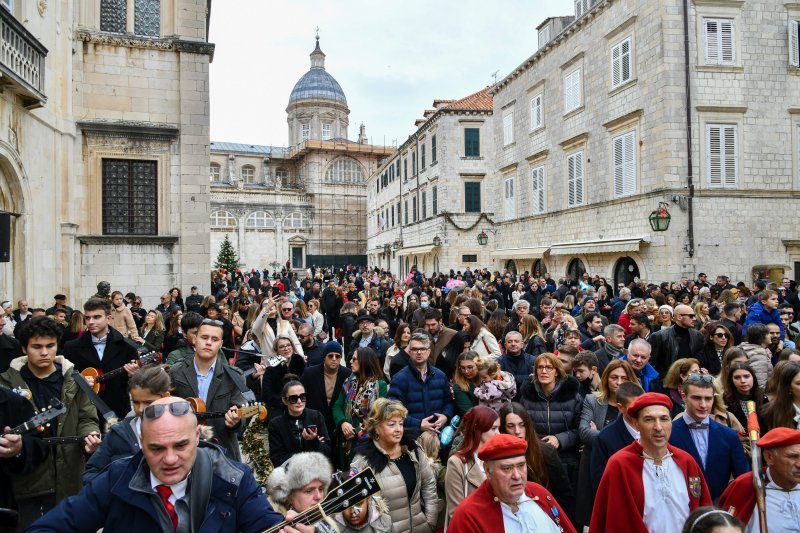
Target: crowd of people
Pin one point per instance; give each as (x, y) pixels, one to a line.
(476, 398)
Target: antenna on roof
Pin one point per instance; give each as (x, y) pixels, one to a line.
(496, 72)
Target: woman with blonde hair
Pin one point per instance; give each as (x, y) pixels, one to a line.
(467, 377)
(532, 335)
(315, 316)
(152, 332)
(269, 325)
(701, 315)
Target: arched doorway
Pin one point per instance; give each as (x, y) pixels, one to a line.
(539, 268)
(13, 286)
(576, 269)
(435, 264)
(511, 266)
(625, 271)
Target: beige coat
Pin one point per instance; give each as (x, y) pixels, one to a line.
(266, 337)
(413, 515)
(122, 321)
(486, 346)
(457, 486)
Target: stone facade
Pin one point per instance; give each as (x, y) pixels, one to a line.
(135, 93)
(417, 200)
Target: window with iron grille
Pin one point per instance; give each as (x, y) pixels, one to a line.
(130, 197)
(469, 258)
(147, 17)
(113, 16)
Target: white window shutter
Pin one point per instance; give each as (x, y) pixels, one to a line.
(714, 156)
(628, 165)
(571, 180)
(712, 42)
(794, 43)
(616, 65)
(579, 178)
(626, 60)
(619, 178)
(727, 51)
(537, 179)
(731, 169)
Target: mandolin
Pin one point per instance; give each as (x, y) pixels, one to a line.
(349, 493)
(40, 419)
(99, 376)
(248, 410)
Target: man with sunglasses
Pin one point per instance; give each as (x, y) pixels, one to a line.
(219, 385)
(676, 341)
(175, 483)
(716, 448)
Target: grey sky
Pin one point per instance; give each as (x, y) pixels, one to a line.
(392, 59)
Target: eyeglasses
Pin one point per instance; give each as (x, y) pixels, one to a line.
(296, 398)
(285, 347)
(697, 377)
(692, 315)
(210, 322)
(284, 309)
(334, 356)
(721, 335)
(152, 412)
(418, 350)
(547, 368)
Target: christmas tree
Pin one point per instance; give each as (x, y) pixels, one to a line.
(227, 257)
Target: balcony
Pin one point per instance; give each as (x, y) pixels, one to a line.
(21, 61)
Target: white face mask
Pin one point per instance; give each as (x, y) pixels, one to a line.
(424, 305)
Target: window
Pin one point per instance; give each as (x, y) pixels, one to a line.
(414, 208)
(581, 7)
(398, 212)
(621, 63)
(721, 155)
(719, 41)
(433, 149)
(113, 16)
(413, 163)
(508, 195)
(405, 169)
(306, 131)
(435, 200)
(295, 220)
(391, 173)
(575, 179)
(424, 205)
(398, 167)
(472, 197)
(130, 197)
(508, 128)
(539, 191)
(344, 170)
(572, 91)
(326, 131)
(248, 174)
(147, 17)
(259, 219)
(422, 157)
(215, 172)
(472, 142)
(222, 219)
(405, 211)
(392, 215)
(282, 175)
(544, 36)
(469, 258)
(625, 164)
(8, 4)
(794, 43)
(537, 112)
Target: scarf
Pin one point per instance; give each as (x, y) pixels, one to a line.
(613, 352)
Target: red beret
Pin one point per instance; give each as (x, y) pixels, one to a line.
(779, 437)
(502, 446)
(646, 400)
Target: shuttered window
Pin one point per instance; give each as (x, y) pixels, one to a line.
(508, 128)
(572, 91)
(794, 43)
(621, 63)
(575, 179)
(472, 142)
(625, 164)
(510, 205)
(537, 113)
(720, 48)
(723, 168)
(537, 177)
(472, 197)
(435, 199)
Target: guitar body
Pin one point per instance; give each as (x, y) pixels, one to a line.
(198, 406)
(246, 411)
(97, 375)
(97, 385)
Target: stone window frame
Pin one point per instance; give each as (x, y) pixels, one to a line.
(539, 193)
(423, 203)
(131, 14)
(215, 171)
(510, 184)
(472, 178)
(793, 37)
(256, 217)
(626, 31)
(243, 174)
(537, 111)
(615, 84)
(218, 216)
(720, 116)
(508, 127)
(323, 135)
(718, 9)
(291, 221)
(472, 128)
(628, 184)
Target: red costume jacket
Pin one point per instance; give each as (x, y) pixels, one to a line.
(619, 503)
(741, 495)
(479, 513)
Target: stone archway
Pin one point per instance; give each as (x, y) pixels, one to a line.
(13, 279)
(625, 271)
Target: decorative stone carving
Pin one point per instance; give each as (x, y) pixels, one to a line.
(42, 6)
(132, 41)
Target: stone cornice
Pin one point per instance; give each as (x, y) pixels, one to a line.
(134, 41)
(164, 240)
(130, 129)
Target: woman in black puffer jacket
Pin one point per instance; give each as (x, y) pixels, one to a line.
(551, 398)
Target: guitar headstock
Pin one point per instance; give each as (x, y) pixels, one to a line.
(42, 418)
(253, 409)
(352, 491)
(149, 357)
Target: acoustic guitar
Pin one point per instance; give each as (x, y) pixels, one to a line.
(99, 377)
(41, 419)
(249, 410)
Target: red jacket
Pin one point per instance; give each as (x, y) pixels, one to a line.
(479, 513)
(741, 495)
(619, 503)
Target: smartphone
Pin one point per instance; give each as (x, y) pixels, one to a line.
(433, 419)
(312, 427)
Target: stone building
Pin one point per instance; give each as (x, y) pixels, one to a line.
(597, 128)
(103, 146)
(304, 203)
(430, 196)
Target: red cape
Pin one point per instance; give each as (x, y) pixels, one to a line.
(479, 513)
(619, 503)
(741, 495)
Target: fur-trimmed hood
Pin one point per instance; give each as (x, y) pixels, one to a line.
(564, 390)
(66, 364)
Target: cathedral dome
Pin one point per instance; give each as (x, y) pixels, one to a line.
(317, 83)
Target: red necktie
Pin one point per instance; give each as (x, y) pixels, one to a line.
(165, 492)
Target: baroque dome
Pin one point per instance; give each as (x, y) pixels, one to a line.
(317, 83)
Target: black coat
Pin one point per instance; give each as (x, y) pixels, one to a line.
(285, 439)
(558, 414)
(119, 442)
(609, 441)
(665, 348)
(118, 352)
(9, 350)
(709, 360)
(314, 382)
(271, 385)
(14, 410)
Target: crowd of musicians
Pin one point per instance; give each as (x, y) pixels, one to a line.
(465, 402)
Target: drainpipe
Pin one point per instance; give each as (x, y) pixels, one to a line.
(689, 176)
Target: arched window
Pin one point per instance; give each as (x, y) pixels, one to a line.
(625, 271)
(436, 263)
(511, 266)
(222, 219)
(249, 174)
(259, 219)
(539, 268)
(344, 170)
(295, 220)
(215, 172)
(576, 269)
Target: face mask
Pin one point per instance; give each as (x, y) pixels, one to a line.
(424, 305)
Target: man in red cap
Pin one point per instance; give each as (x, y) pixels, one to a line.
(649, 486)
(506, 496)
(781, 451)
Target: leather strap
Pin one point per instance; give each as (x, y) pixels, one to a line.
(102, 408)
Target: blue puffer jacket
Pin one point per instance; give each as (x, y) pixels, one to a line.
(757, 314)
(422, 399)
(119, 442)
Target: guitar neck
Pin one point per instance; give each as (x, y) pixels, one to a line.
(54, 441)
(117, 371)
(309, 517)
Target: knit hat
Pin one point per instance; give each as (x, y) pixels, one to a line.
(667, 308)
(332, 347)
(297, 472)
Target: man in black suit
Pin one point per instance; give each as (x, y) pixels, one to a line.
(616, 435)
(104, 349)
(323, 384)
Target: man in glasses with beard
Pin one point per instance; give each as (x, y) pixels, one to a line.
(175, 483)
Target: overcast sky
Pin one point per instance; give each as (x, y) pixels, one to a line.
(392, 59)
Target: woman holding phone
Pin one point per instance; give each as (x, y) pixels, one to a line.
(299, 429)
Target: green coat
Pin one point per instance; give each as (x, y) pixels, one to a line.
(464, 400)
(61, 472)
(340, 408)
(175, 356)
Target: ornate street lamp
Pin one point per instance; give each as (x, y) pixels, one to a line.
(659, 219)
(437, 241)
(395, 246)
(483, 239)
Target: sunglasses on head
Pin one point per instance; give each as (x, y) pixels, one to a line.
(152, 412)
(296, 398)
(697, 377)
(210, 322)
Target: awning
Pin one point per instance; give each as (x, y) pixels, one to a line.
(417, 250)
(533, 252)
(604, 246)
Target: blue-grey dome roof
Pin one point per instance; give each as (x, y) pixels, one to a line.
(317, 83)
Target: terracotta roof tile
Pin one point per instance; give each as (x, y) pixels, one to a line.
(480, 100)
